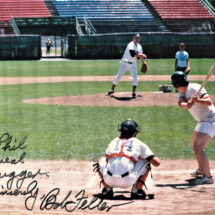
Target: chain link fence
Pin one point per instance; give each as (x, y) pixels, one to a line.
(20, 47)
(155, 45)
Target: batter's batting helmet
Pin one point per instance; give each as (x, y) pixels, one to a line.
(128, 128)
(179, 79)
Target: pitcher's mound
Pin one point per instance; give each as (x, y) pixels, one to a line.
(116, 99)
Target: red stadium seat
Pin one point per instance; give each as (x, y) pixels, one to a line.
(22, 8)
(180, 9)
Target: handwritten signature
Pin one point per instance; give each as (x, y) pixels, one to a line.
(7, 139)
(49, 201)
(24, 175)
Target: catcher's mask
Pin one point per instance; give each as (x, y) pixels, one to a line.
(129, 128)
(179, 79)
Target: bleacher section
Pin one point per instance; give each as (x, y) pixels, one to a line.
(110, 16)
(183, 15)
(51, 8)
(22, 8)
(180, 9)
(5, 28)
(103, 9)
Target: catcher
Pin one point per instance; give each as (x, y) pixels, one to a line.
(128, 62)
(126, 163)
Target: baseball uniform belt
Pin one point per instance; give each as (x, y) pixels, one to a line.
(130, 62)
(123, 175)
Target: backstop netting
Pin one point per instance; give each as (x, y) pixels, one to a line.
(155, 45)
(20, 47)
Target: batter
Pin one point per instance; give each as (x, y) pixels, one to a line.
(203, 110)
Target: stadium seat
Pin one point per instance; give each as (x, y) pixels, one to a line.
(22, 8)
(110, 16)
(180, 9)
(104, 9)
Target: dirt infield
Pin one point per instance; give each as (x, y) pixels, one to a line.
(52, 79)
(172, 188)
(117, 99)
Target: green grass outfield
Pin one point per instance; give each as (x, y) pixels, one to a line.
(94, 67)
(57, 132)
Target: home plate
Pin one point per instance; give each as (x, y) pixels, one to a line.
(132, 78)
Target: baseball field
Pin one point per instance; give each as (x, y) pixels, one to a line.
(56, 121)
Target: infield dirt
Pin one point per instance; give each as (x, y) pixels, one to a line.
(172, 188)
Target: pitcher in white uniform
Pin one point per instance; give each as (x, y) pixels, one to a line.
(202, 109)
(126, 163)
(128, 62)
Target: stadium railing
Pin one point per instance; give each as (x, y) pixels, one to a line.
(78, 27)
(208, 6)
(89, 27)
(14, 26)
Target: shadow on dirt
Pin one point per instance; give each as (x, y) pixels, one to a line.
(124, 98)
(189, 184)
(124, 198)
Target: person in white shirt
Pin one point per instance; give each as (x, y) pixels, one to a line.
(182, 60)
(126, 163)
(128, 62)
(202, 109)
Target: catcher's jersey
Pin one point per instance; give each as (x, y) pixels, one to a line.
(130, 147)
(201, 113)
(132, 46)
(182, 58)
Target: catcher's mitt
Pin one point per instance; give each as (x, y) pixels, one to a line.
(144, 67)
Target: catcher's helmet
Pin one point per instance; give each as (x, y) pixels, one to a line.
(128, 128)
(179, 79)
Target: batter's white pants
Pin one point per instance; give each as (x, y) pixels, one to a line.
(123, 68)
(206, 127)
(127, 181)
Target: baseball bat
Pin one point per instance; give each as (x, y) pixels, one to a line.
(210, 73)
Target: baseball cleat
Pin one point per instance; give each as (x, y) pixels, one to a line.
(139, 194)
(204, 180)
(109, 92)
(134, 95)
(196, 173)
(107, 193)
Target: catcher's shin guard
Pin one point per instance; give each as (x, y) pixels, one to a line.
(142, 179)
(97, 168)
(102, 180)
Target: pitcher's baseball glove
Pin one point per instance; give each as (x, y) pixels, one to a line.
(144, 67)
